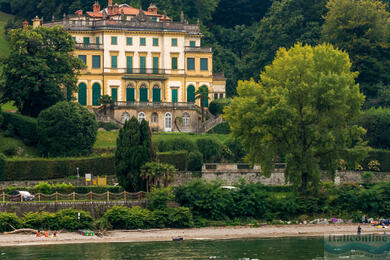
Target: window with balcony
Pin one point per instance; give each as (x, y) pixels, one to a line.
(86, 40)
(114, 62)
(96, 61)
(142, 41)
(174, 63)
(174, 42)
(155, 41)
(97, 40)
(83, 58)
(129, 64)
(190, 63)
(156, 93)
(192, 43)
(204, 66)
(114, 94)
(143, 94)
(142, 64)
(155, 65)
(130, 93)
(129, 40)
(114, 40)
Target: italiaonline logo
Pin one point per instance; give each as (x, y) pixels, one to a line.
(372, 246)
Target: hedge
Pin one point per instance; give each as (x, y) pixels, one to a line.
(176, 158)
(68, 190)
(43, 169)
(23, 126)
(18, 169)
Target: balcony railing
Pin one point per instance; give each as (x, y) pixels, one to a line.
(170, 105)
(198, 49)
(89, 46)
(146, 71)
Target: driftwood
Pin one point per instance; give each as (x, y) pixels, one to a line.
(22, 230)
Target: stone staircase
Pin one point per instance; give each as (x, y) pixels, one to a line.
(210, 124)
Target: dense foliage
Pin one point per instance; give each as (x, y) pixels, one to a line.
(66, 129)
(377, 124)
(39, 68)
(134, 149)
(24, 127)
(292, 110)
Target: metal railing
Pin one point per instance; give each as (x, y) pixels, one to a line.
(170, 105)
(146, 71)
(89, 46)
(198, 49)
(73, 197)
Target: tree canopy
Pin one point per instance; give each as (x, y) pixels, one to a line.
(362, 28)
(302, 108)
(39, 68)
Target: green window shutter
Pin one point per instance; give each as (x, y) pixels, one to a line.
(142, 64)
(95, 94)
(129, 64)
(190, 64)
(155, 41)
(129, 41)
(190, 94)
(142, 41)
(130, 95)
(155, 65)
(83, 58)
(192, 43)
(114, 40)
(114, 94)
(74, 39)
(82, 98)
(86, 40)
(204, 64)
(156, 95)
(96, 61)
(114, 62)
(174, 63)
(154, 19)
(174, 42)
(143, 95)
(97, 40)
(174, 95)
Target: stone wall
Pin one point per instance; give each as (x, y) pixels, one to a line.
(96, 209)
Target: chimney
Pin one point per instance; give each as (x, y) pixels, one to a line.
(109, 2)
(116, 9)
(152, 9)
(25, 24)
(96, 7)
(36, 22)
(79, 12)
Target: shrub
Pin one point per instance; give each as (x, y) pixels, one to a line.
(222, 128)
(117, 217)
(216, 106)
(175, 144)
(43, 187)
(43, 169)
(9, 221)
(236, 148)
(10, 149)
(22, 126)
(250, 200)
(66, 129)
(376, 121)
(175, 158)
(139, 218)
(3, 162)
(41, 220)
(108, 126)
(159, 198)
(69, 220)
(195, 161)
(210, 149)
(179, 217)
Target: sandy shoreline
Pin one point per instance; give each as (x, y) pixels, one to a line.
(214, 233)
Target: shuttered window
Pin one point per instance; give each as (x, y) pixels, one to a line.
(190, 64)
(96, 61)
(204, 64)
(174, 63)
(83, 58)
(114, 62)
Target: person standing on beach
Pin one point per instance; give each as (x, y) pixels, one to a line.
(359, 230)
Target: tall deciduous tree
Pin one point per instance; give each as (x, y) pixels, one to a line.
(302, 107)
(134, 149)
(362, 28)
(39, 68)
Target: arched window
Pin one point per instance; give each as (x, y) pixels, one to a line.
(186, 120)
(82, 94)
(156, 93)
(130, 93)
(125, 117)
(141, 116)
(168, 122)
(154, 117)
(143, 93)
(190, 94)
(95, 94)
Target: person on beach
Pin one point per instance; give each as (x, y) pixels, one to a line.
(359, 230)
(39, 233)
(46, 233)
(55, 234)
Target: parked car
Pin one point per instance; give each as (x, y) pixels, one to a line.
(26, 196)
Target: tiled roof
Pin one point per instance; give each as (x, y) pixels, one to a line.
(95, 14)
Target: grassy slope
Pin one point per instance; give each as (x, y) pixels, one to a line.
(107, 139)
(23, 150)
(3, 43)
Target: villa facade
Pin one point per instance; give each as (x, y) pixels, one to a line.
(149, 65)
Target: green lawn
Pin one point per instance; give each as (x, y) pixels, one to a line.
(16, 146)
(106, 139)
(3, 43)
(8, 106)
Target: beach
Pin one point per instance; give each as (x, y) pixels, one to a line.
(212, 233)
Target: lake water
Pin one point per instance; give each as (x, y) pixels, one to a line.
(243, 249)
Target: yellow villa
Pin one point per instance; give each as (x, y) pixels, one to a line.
(150, 65)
